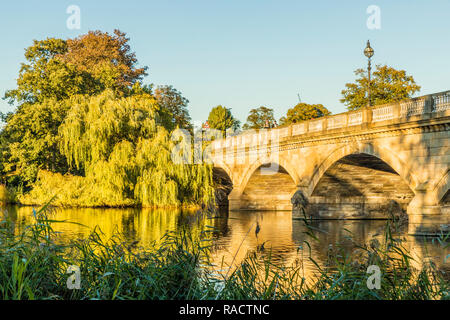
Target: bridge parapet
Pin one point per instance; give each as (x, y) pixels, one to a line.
(421, 108)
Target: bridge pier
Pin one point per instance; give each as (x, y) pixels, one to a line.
(429, 224)
(268, 203)
(234, 199)
(426, 215)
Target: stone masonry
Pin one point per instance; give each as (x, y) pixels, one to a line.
(371, 163)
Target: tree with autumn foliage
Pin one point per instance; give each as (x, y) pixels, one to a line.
(387, 85)
(106, 58)
(89, 64)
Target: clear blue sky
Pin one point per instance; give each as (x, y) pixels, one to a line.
(247, 53)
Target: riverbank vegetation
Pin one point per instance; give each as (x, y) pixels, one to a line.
(89, 132)
(122, 156)
(33, 265)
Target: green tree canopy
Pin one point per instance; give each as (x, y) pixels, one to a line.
(85, 121)
(304, 111)
(257, 118)
(56, 73)
(171, 99)
(124, 156)
(221, 118)
(44, 75)
(30, 139)
(386, 85)
(89, 64)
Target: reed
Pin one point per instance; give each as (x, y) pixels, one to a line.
(33, 265)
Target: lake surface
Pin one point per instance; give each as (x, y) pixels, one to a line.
(233, 233)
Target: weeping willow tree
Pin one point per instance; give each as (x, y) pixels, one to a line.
(124, 156)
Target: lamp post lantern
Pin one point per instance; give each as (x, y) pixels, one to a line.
(368, 52)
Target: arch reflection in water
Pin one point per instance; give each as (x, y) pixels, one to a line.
(285, 238)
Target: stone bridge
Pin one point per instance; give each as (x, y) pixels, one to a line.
(371, 163)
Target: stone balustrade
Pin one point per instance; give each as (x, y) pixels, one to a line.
(399, 112)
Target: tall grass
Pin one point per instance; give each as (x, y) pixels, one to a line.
(33, 265)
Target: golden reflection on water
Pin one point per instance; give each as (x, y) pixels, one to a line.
(142, 225)
(234, 235)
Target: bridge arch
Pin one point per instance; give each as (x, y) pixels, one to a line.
(276, 159)
(223, 183)
(223, 166)
(361, 181)
(442, 188)
(381, 153)
(269, 188)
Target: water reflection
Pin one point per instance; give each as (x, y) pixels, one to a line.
(234, 234)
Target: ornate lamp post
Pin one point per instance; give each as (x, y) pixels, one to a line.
(368, 52)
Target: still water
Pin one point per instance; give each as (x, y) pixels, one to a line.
(233, 233)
